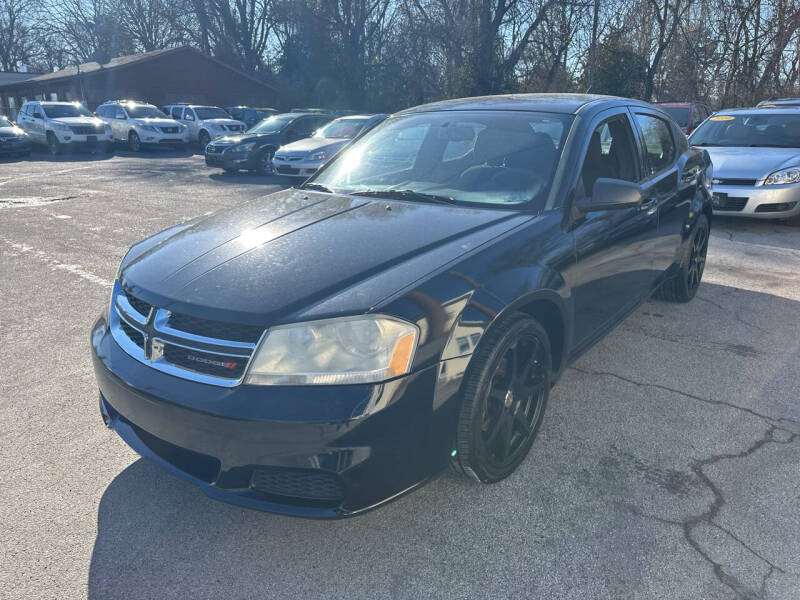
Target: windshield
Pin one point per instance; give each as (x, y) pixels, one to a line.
(271, 125)
(470, 157)
(210, 112)
(679, 113)
(5, 122)
(144, 111)
(60, 111)
(749, 129)
(341, 129)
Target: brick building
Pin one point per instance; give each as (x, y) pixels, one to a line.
(182, 74)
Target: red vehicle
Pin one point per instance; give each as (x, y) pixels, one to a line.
(688, 115)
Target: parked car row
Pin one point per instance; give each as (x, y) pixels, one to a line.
(293, 144)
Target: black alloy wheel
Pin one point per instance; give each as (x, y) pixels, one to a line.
(684, 285)
(505, 395)
(134, 143)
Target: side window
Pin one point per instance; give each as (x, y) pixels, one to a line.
(37, 111)
(658, 142)
(119, 113)
(611, 153)
(176, 112)
(188, 114)
(101, 111)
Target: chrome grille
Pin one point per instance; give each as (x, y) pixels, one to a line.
(87, 129)
(210, 352)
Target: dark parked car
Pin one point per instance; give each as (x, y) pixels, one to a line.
(688, 115)
(13, 140)
(254, 149)
(249, 115)
(323, 350)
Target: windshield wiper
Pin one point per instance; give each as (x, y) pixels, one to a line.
(316, 186)
(406, 195)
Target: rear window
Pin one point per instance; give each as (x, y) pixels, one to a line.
(680, 114)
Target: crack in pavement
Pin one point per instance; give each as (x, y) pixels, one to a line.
(690, 523)
(766, 418)
(736, 316)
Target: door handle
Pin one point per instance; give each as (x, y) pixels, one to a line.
(650, 205)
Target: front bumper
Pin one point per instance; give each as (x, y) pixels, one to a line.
(231, 160)
(301, 169)
(159, 138)
(760, 202)
(79, 139)
(362, 445)
(15, 146)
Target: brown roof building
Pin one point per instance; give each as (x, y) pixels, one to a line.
(182, 74)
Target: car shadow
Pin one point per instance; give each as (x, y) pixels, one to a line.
(150, 152)
(69, 155)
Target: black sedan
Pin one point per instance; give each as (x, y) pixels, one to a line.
(13, 140)
(326, 349)
(254, 149)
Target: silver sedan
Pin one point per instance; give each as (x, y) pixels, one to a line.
(756, 157)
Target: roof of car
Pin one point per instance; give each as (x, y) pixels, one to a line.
(54, 103)
(555, 103)
(678, 104)
(788, 110)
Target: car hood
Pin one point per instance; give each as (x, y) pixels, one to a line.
(247, 137)
(158, 122)
(78, 121)
(750, 163)
(222, 122)
(313, 145)
(268, 260)
(11, 132)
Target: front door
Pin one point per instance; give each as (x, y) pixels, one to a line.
(614, 269)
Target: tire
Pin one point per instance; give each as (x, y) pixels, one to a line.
(505, 394)
(134, 143)
(683, 286)
(265, 163)
(203, 139)
(53, 145)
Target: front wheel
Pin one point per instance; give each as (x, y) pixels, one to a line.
(202, 140)
(684, 285)
(134, 143)
(504, 398)
(53, 145)
(264, 164)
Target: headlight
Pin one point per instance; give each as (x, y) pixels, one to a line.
(319, 156)
(790, 175)
(350, 350)
(243, 147)
(148, 128)
(61, 127)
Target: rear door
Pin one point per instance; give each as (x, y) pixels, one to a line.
(37, 120)
(614, 248)
(665, 185)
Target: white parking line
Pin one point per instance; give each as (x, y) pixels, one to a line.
(45, 174)
(55, 264)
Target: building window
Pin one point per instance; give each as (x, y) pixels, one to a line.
(53, 97)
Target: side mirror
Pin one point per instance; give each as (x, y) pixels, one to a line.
(610, 194)
(37, 115)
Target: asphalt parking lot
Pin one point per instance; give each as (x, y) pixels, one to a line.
(668, 465)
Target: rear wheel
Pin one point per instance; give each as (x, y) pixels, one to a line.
(203, 139)
(505, 395)
(684, 285)
(134, 143)
(53, 145)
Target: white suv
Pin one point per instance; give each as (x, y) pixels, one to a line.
(60, 124)
(141, 124)
(204, 122)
